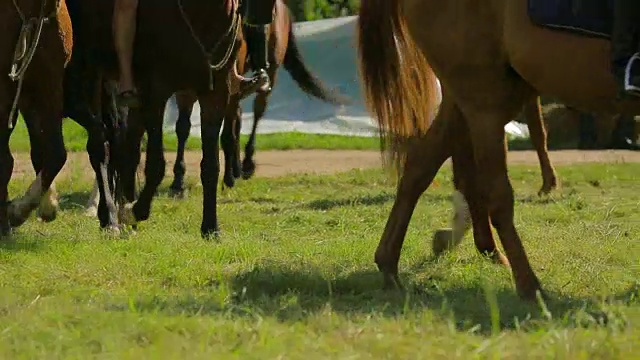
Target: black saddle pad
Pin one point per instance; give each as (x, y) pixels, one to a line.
(585, 17)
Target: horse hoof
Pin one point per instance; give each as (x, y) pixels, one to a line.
(210, 234)
(442, 241)
(5, 232)
(229, 181)
(531, 293)
(248, 170)
(91, 211)
(391, 282)
(47, 216)
(126, 215)
(112, 231)
(177, 193)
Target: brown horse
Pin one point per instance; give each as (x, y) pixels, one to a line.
(283, 50)
(491, 60)
(199, 41)
(36, 46)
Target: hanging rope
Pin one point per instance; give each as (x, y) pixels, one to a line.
(26, 47)
(232, 30)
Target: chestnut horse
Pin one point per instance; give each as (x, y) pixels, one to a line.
(491, 60)
(36, 46)
(283, 50)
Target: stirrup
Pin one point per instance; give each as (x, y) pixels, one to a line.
(630, 88)
(263, 77)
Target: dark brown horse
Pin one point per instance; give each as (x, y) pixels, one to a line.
(36, 46)
(198, 41)
(491, 60)
(283, 50)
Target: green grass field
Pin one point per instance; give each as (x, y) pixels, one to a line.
(292, 276)
(76, 140)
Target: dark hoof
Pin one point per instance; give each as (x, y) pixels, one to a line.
(391, 282)
(140, 213)
(237, 171)
(47, 217)
(248, 169)
(210, 234)
(5, 232)
(177, 193)
(531, 292)
(229, 181)
(548, 187)
(15, 222)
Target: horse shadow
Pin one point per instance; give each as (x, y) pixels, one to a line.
(74, 200)
(290, 295)
(365, 200)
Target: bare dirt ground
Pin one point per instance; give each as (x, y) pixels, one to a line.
(281, 163)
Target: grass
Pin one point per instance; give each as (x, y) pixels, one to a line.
(76, 140)
(292, 276)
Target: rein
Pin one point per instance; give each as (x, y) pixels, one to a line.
(26, 47)
(232, 31)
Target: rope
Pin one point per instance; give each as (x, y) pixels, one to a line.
(23, 53)
(233, 30)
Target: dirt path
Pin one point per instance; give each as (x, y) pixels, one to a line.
(280, 163)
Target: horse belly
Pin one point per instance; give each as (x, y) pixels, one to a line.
(573, 68)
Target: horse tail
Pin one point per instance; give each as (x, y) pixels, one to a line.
(399, 86)
(309, 83)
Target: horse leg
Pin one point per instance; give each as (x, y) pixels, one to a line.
(183, 129)
(424, 158)
(229, 142)
(48, 208)
(131, 146)
(468, 210)
(213, 105)
(47, 118)
(259, 108)
(6, 165)
(533, 114)
(151, 115)
(91, 208)
(486, 123)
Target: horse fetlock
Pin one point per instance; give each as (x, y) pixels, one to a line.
(126, 215)
(528, 287)
(5, 229)
(229, 180)
(48, 209)
(210, 231)
(548, 185)
(248, 168)
(177, 192)
(19, 211)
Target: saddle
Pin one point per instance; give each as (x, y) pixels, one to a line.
(592, 18)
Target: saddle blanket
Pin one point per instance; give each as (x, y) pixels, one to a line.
(585, 17)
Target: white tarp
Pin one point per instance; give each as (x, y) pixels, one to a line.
(329, 50)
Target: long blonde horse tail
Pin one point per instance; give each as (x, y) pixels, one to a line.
(400, 88)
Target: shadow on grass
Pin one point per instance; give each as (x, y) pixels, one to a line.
(366, 200)
(293, 295)
(74, 200)
(17, 244)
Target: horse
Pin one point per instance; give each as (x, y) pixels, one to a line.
(37, 46)
(283, 50)
(491, 58)
(199, 42)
